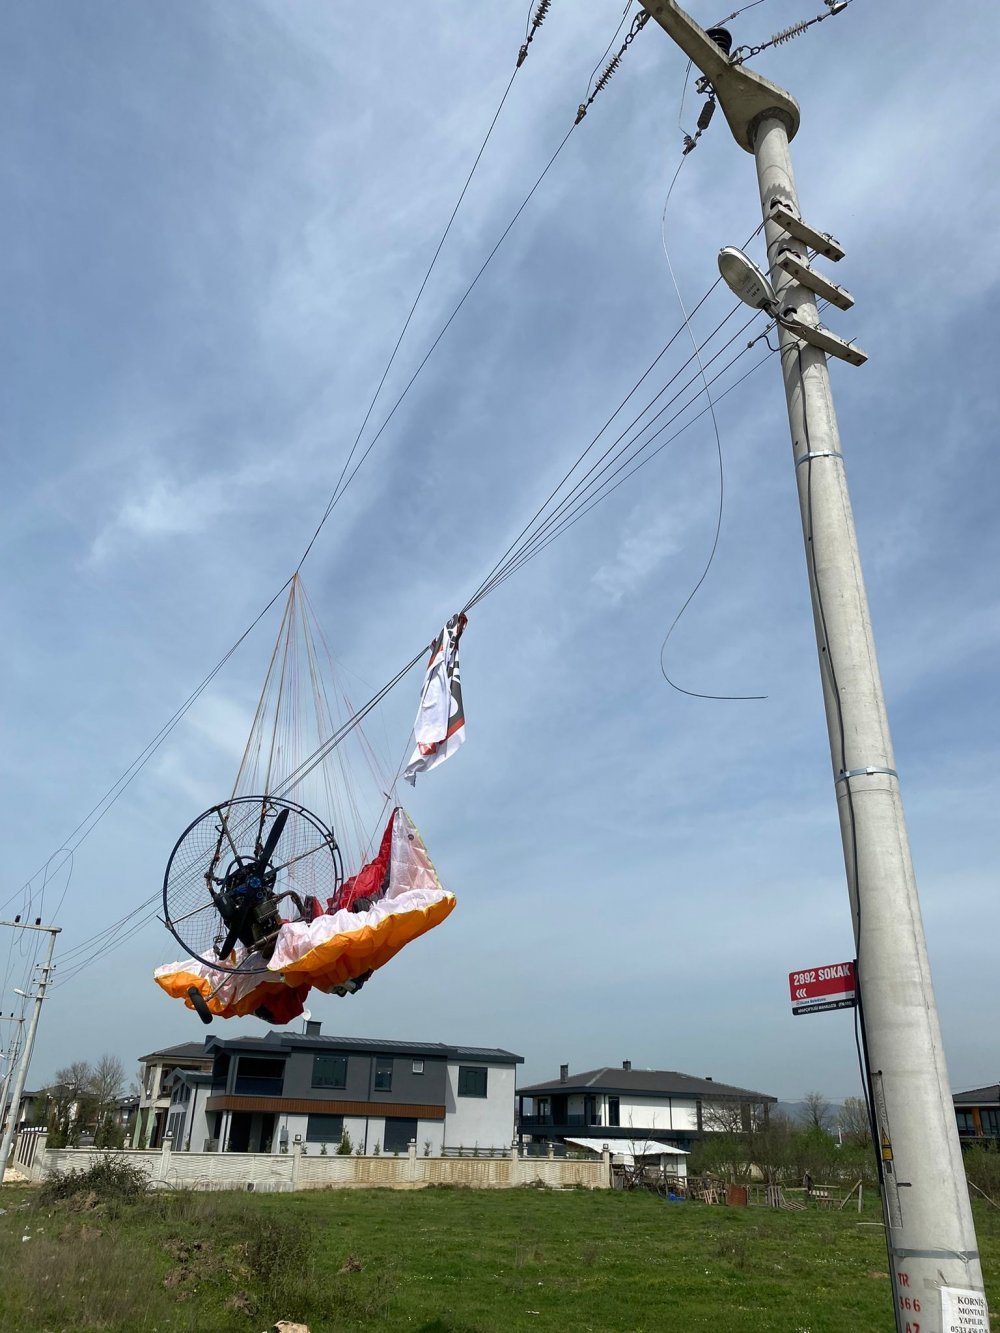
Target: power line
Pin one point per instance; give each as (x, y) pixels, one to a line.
(530, 534)
(115, 791)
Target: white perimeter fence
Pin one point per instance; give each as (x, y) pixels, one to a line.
(296, 1171)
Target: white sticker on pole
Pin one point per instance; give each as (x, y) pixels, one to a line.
(964, 1310)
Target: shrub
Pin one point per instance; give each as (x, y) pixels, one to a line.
(982, 1166)
(344, 1147)
(110, 1178)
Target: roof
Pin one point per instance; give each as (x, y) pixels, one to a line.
(283, 1043)
(665, 1082)
(630, 1147)
(987, 1096)
(194, 1078)
(186, 1050)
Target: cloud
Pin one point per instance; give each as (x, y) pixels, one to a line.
(646, 544)
(166, 507)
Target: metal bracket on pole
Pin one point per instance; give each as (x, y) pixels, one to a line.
(817, 336)
(818, 453)
(826, 290)
(781, 212)
(848, 773)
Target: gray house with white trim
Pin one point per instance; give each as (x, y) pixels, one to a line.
(625, 1103)
(264, 1094)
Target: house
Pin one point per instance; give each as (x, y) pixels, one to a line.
(978, 1115)
(187, 1118)
(626, 1103)
(154, 1094)
(30, 1109)
(267, 1093)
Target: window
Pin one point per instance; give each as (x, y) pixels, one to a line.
(257, 1077)
(471, 1081)
(329, 1071)
(966, 1124)
(325, 1129)
(614, 1111)
(398, 1133)
(418, 1066)
(383, 1073)
(989, 1118)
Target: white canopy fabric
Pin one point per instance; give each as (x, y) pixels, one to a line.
(630, 1149)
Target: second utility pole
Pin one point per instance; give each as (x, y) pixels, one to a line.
(29, 1040)
(937, 1279)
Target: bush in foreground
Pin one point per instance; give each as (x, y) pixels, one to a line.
(109, 1179)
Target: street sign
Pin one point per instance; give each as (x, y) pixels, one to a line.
(816, 989)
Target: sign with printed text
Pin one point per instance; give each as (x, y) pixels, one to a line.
(963, 1310)
(816, 989)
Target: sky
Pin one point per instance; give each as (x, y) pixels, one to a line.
(217, 218)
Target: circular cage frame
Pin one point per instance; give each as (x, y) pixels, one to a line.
(267, 804)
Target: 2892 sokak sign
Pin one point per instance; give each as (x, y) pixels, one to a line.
(816, 989)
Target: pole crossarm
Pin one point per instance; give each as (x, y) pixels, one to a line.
(745, 96)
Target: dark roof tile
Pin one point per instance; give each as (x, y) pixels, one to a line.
(610, 1078)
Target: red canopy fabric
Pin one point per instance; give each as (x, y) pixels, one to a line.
(372, 879)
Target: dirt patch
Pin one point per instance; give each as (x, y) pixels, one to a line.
(195, 1262)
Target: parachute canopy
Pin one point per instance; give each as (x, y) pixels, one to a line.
(255, 888)
(391, 900)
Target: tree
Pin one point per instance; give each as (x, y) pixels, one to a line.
(734, 1117)
(70, 1103)
(854, 1122)
(107, 1084)
(815, 1112)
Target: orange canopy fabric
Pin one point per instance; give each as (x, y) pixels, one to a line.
(339, 946)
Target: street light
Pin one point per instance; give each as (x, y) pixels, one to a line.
(745, 280)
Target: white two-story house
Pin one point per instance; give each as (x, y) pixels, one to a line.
(625, 1103)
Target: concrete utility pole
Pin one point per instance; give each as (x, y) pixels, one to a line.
(11, 1054)
(29, 1041)
(934, 1260)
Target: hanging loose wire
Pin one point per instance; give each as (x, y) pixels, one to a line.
(696, 694)
(538, 525)
(632, 463)
(623, 447)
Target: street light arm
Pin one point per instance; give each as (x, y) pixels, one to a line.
(745, 97)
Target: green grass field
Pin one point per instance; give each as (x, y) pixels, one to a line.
(443, 1261)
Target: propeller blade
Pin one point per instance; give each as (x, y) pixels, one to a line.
(235, 931)
(277, 828)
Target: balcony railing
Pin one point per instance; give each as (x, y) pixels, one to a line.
(533, 1123)
(259, 1087)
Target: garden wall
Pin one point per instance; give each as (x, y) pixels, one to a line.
(295, 1171)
